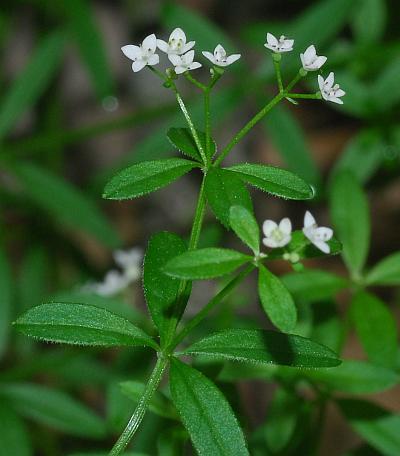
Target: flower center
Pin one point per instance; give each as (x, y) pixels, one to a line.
(277, 235)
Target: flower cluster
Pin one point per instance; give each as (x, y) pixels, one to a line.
(279, 235)
(178, 50)
(115, 281)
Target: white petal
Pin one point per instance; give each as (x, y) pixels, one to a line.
(175, 59)
(150, 43)
(323, 233)
(340, 93)
(209, 56)
(330, 80)
(188, 57)
(310, 53)
(187, 46)
(268, 227)
(288, 45)
(131, 51)
(180, 69)
(285, 226)
(153, 59)
(320, 61)
(303, 62)
(269, 242)
(285, 240)
(309, 220)
(219, 49)
(194, 66)
(271, 40)
(232, 58)
(323, 246)
(162, 45)
(178, 34)
(138, 65)
(321, 82)
(335, 100)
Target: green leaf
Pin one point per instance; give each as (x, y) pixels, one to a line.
(276, 181)
(5, 301)
(266, 347)
(146, 177)
(161, 291)
(54, 409)
(159, 404)
(350, 215)
(14, 436)
(32, 81)
(362, 155)
(355, 377)
(313, 284)
(276, 300)
(246, 227)
(288, 138)
(370, 21)
(87, 36)
(385, 92)
(327, 327)
(64, 202)
(79, 324)
(205, 263)
(182, 139)
(376, 329)
(386, 272)
(379, 427)
(224, 190)
(205, 413)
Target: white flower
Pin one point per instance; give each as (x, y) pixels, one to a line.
(113, 283)
(310, 60)
(329, 90)
(130, 262)
(318, 235)
(220, 58)
(184, 62)
(142, 55)
(281, 45)
(277, 235)
(176, 44)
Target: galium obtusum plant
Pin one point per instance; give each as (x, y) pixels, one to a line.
(171, 264)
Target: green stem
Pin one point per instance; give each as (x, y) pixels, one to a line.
(278, 73)
(218, 298)
(194, 81)
(141, 408)
(310, 96)
(207, 116)
(243, 132)
(198, 216)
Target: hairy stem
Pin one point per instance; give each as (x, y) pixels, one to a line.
(141, 408)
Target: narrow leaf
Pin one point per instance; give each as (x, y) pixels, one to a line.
(386, 272)
(376, 329)
(225, 189)
(205, 413)
(350, 214)
(54, 409)
(79, 324)
(14, 435)
(161, 290)
(146, 177)
(5, 301)
(276, 181)
(182, 139)
(266, 347)
(246, 227)
(276, 300)
(205, 263)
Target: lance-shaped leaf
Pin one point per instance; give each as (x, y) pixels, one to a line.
(54, 409)
(276, 300)
(14, 435)
(246, 227)
(161, 290)
(276, 181)
(266, 347)
(205, 263)
(183, 140)
(225, 189)
(205, 413)
(350, 216)
(146, 177)
(80, 324)
(376, 329)
(379, 427)
(386, 272)
(355, 377)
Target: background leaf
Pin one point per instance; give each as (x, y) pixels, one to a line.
(386, 272)
(5, 301)
(370, 21)
(14, 436)
(205, 412)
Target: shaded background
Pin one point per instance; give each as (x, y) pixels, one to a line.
(72, 113)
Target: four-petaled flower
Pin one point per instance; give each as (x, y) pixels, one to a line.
(317, 235)
(113, 283)
(142, 55)
(277, 235)
(282, 45)
(310, 60)
(130, 262)
(220, 58)
(329, 90)
(184, 62)
(176, 44)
